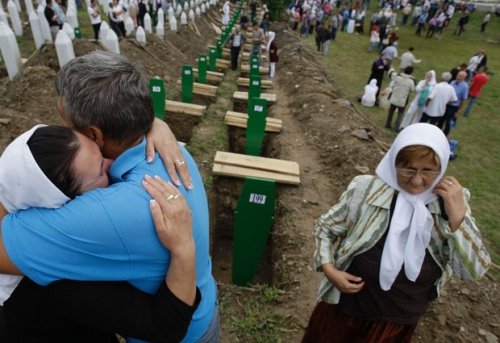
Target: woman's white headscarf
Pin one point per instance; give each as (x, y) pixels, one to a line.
(411, 224)
(432, 83)
(22, 183)
(270, 38)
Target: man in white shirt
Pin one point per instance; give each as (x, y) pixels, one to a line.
(408, 59)
(441, 95)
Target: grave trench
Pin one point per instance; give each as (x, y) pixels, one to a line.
(223, 200)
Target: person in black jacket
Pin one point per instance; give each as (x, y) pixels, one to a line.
(51, 17)
(379, 67)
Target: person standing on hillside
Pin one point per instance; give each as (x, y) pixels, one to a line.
(272, 48)
(379, 67)
(258, 38)
(450, 115)
(442, 94)
(464, 19)
(402, 85)
(416, 108)
(141, 12)
(391, 243)
(51, 17)
(236, 41)
(95, 18)
(485, 22)
(478, 81)
(408, 59)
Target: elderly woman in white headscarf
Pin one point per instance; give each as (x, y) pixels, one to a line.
(391, 243)
(416, 108)
(370, 95)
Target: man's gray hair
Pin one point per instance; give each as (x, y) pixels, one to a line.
(446, 76)
(108, 91)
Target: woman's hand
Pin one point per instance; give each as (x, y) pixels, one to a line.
(160, 138)
(450, 190)
(171, 216)
(345, 282)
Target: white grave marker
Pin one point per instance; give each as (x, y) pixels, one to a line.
(10, 51)
(147, 23)
(14, 18)
(110, 41)
(36, 29)
(140, 34)
(64, 48)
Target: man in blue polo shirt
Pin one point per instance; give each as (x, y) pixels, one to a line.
(448, 121)
(108, 234)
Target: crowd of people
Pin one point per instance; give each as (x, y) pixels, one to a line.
(438, 103)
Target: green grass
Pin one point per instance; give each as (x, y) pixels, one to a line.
(253, 316)
(478, 164)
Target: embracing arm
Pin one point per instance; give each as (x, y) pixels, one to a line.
(160, 138)
(6, 265)
(118, 306)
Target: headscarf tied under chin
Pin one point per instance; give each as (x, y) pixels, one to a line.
(270, 38)
(411, 224)
(22, 183)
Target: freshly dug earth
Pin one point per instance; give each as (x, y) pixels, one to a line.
(330, 139)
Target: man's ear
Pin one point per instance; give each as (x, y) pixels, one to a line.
(95, 134)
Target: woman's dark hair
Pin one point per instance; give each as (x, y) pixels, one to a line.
(54, 149)
(416, 152)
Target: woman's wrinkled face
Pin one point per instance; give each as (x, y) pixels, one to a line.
(417, 176)
(91, 169)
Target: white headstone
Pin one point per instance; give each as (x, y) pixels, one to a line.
(178, 11)
(147, 23)
(173, 24)
(184, 20)
(197, 12)
(161, 16)
(103, 30)
(18, 5)
(71, 3)
(10, 51)
(129, 26)
(105, 6)
(160, 31)
(69, 30)
(170, 12)
(29, 6)
(14, 18)
(186, 6)
(64, 48)
(110, 40)
(208, 5)
(36, 29)
(3, 17)
(72, 16)
(191, 15)
(140, 35)
(44, 24)
(203, 8)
